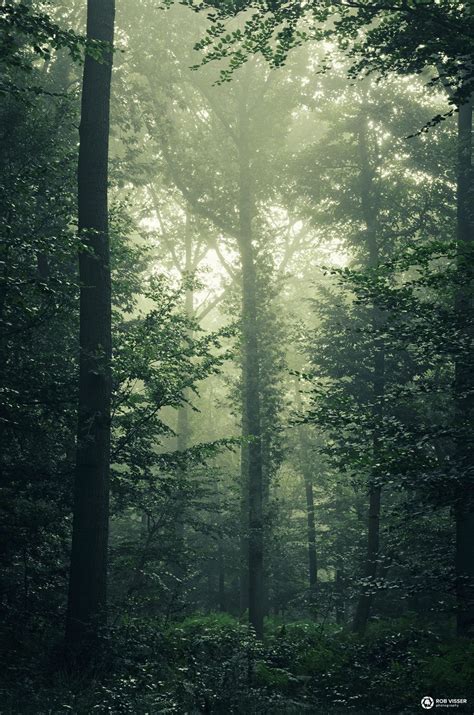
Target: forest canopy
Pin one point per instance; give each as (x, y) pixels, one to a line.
(236, 356)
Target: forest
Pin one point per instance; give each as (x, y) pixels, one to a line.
(236, 357)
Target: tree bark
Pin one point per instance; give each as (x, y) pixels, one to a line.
(464, 379)
(88, 572)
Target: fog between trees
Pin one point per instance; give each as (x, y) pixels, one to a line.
(237, 379)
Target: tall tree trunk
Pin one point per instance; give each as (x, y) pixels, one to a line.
(88, 573)
(305, 453)
(251, 380)
(183, 430)
(369, 204)
(464, 379)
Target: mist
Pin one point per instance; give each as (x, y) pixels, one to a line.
(236, 340)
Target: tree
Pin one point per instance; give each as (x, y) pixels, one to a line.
(376, 34)
(388, 37)
(369, 201)
(88, 572)
(28, 34)
(363, 190)
(307, 469)
(39, 336)
(219, 158)
(447, 45)
(464, 375)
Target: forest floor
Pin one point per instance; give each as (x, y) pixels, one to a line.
(212, 664)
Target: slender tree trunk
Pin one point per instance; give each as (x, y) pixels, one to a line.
(221, 563)
(369, 204)
(305, 453)
(182, 443)
(311, 535)
(88, 574)
(340, 579)
(244, 517)
(266, 511)
(464, 379)
(339, 597)
(370, 571)
(183, 429)
(251, 380)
